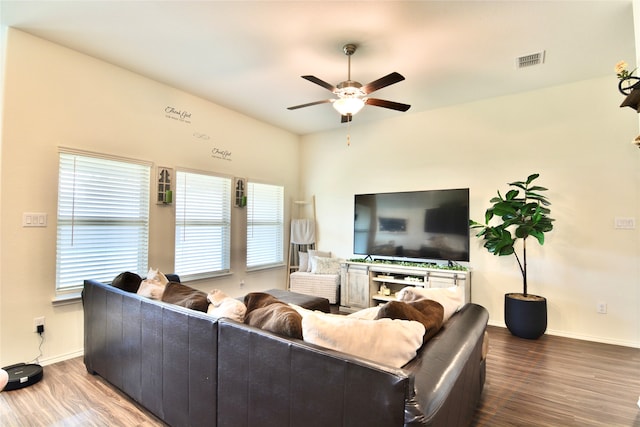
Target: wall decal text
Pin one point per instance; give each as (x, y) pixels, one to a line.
(176, 114)
(217, 153)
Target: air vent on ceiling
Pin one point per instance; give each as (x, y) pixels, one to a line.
(530, 60)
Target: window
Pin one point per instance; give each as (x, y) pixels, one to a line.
(265, 225)
(203, 225)
(103, 218)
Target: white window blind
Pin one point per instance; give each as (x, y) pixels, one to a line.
(203, 225)
(265, 225)
(103, 219)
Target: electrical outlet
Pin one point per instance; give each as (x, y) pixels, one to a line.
(38, 321)
(601, 307)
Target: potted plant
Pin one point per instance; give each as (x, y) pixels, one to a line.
(523, 212)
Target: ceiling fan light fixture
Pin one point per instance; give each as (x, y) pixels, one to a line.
(352, 95)
(348, 105)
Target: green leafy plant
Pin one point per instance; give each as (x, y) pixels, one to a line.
(522, 211)
(433, 265)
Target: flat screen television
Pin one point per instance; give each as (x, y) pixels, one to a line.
(421, 225)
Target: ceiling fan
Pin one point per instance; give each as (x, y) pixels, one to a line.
(352, 95)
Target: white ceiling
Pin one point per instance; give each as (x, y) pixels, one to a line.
(249, 55)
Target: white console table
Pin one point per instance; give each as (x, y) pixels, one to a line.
(360, 282)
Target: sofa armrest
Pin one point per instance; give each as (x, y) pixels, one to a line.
(163, 356)
(448, 373)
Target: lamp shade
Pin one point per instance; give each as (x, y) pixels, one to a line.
(348, 105)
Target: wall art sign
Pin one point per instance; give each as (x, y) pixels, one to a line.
(221, 154)
(177, 114)
(202, 136)
(240, 188)
(164, 193)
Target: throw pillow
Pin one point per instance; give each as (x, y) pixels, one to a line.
(185, 296)
(390, 342)
(266, 312)
(158, 276)
(366, 313)
(312, 253)
(305, 311)
(426, 311)
(254, 300)
(451, 298)
(322, 265)
(303, 261)
(151, 289)
(127, 281)
(222, 305)
(278, 318)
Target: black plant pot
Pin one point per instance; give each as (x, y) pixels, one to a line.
(525, 316)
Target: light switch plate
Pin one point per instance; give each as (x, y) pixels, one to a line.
(34, 219)
(626, 223)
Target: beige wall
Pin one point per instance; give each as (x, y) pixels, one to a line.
(57, 97)
(575, 136)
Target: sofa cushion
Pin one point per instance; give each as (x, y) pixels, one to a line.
(451, 298)
(428, 312)
(266, 312)
(185, 296)
(127, 281)
(390, 342)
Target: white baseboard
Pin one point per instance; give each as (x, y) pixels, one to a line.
(61, 357)
(582, 337)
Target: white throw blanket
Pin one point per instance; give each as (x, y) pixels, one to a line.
(303, 231)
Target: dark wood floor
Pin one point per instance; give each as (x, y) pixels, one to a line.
(555, 381)
(551, 381)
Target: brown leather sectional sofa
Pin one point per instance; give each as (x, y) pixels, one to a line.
(191, 369)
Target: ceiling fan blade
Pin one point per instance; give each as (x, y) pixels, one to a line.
(385, 81)
(295, 107)
(346, 118)
(314, 79)
(387, 104)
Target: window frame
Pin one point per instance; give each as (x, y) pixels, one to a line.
(280, 223)
(104, 199)
(225, 252)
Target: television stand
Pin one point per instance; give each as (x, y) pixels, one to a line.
(366, 284)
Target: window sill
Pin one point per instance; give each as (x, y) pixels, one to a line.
(67, 299)
(203, 276)
(264, 267)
